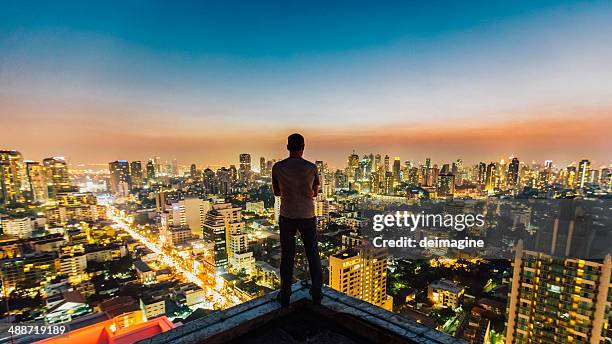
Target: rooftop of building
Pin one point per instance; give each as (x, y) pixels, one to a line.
(141, 266)
(347, 253)
(446, 285)
(340, 319)
(118, 306)
(179, 228)
(105, 332)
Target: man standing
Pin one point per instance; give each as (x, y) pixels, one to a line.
(296, 181)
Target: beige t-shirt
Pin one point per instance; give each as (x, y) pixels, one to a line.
(295, 178)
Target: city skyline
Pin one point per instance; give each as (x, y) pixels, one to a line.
(255, 163)
(523, 79)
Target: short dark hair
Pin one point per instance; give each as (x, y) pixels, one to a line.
(295, 142)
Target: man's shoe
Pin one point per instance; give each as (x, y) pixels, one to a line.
(316, 295)
(284, 300)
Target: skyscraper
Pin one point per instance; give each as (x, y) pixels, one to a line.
(571, 177)
(427, 173)
(119, 182)
(397, 169)
(193, 171)
(238, 256)
(583, 173)
(209, 183)
(11, 177)
(191, 212)
(36, 180)
(215, 233)
(58, 179)
(224, 181)
(262, 166)
(175, 168)
(136, 174)
(244, 170)
(513, 172)
(352, 166)
(491, 176)
(387, 164)
(446, 185)
(224, 229)
(482, 173)
(245, 161)
(558, 299)
(151, 170)
(361, 271)
(558, 293)
(377, 163)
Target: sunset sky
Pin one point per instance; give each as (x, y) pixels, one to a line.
(205, 81)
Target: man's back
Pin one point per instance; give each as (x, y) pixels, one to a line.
(295, 178)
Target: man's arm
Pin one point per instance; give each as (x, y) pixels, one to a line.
(315, 184)
(275, 187)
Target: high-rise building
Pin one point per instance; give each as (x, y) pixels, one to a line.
(224, 228)
(158, 165)
(491, 177)
(583, 173)
(377, 162)
(558, 294)
(11, 177)
(136, 174)
(244, 170)
(513, 172)
(361, 271)
(548, 164)
(397, 169)
(558, 300)
(193, 171)
(215, 234)
(262, 166)
(427, 172)
(325, 187)
(458, 171)
(352, 167)
(191, 212)
(482, 173)
(174, 168)
(209, 183)
(238, 255)
(446, 185)
(37, 181)
(571, 178)
(233, 174)
(58, 179)
(151, 170)
(119, 182)
(387, 164)
(605, 179)
(224, 181)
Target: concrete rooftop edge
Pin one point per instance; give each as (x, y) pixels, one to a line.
(250, 315)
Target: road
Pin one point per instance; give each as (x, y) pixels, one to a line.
(214, 297)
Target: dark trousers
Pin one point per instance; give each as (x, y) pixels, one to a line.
(308, 232)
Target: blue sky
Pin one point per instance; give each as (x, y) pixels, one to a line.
(197, 72)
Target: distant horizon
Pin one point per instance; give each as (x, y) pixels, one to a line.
(255, 161)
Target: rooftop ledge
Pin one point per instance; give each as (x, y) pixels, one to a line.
(340, 319)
